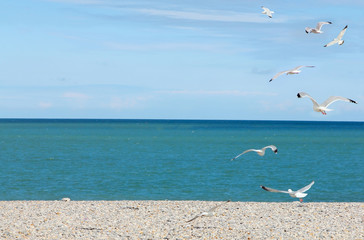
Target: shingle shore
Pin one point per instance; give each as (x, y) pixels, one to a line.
(167, 220)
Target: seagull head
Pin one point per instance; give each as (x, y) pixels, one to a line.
(341, 42)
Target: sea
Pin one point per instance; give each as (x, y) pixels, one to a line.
(100, 159)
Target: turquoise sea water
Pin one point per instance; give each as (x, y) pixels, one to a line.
(179, 160)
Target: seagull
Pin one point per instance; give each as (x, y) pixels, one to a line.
(295, 194)
(261, 152)
(318, 27)
(323, 107)
(267, 12)
(292, 71)
(208, 213)
(338, 39)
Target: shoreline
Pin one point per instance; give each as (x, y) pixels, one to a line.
(150, 219)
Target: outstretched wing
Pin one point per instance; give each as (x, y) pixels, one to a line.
(332, 43)
(273, 190)
(319, 25)
(219, 205)
(301, 66)
(278, 74)
(333, 99)
(341, 34)
(194, 218)
(208, 212)
(249, 150)
(304, 189)
(274, 148)
(303, 94)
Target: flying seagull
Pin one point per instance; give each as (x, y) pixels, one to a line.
(318, 27)
(295, 70)
(323, 106)
(261, 152)
(208, 213)
(295, 194)
(338, 39)
(267, 12)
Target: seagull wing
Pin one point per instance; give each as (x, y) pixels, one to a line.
(333, 99)
(274, 148)
(249, 150)
(341, 34)
(273, 190)
(304, 189)
(199, 215)
(332, 43)
(319, 25)
(219, 205)
(278, 74)
(303, 94)
(301, 66)
(208, 212)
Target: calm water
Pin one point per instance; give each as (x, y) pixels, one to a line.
(179, 160)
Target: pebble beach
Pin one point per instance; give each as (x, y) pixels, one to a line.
(168, 220)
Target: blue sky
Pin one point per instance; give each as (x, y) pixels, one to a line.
(178, 59)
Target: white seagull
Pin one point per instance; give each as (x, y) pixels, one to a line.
(318, 27)
(261, 152)
(295, 194)
(323, 106)
(267, 11)
(295, 70)
(208, 213)
(338, 39)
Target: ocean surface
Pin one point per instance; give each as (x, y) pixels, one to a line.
(179, 160)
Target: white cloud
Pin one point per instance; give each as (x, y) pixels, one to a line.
(219, 92)
(218, 16)
(45, 105)
(91, 2)
(273, 106)
(160, 46)
(76, 99)
(75, 95)
(122, 103)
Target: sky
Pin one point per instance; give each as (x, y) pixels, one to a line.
(207, 59)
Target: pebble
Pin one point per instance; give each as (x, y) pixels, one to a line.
(167, 220)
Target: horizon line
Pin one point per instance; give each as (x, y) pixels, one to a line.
(172, 119)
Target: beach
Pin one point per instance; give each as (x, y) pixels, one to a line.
(168, 220)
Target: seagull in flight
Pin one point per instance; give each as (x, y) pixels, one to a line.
(323, 106)
(295, 194)
(208, 213)
(338, 39)
(261, 152)
(318, 27)
(267, 12)
(295, 70)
